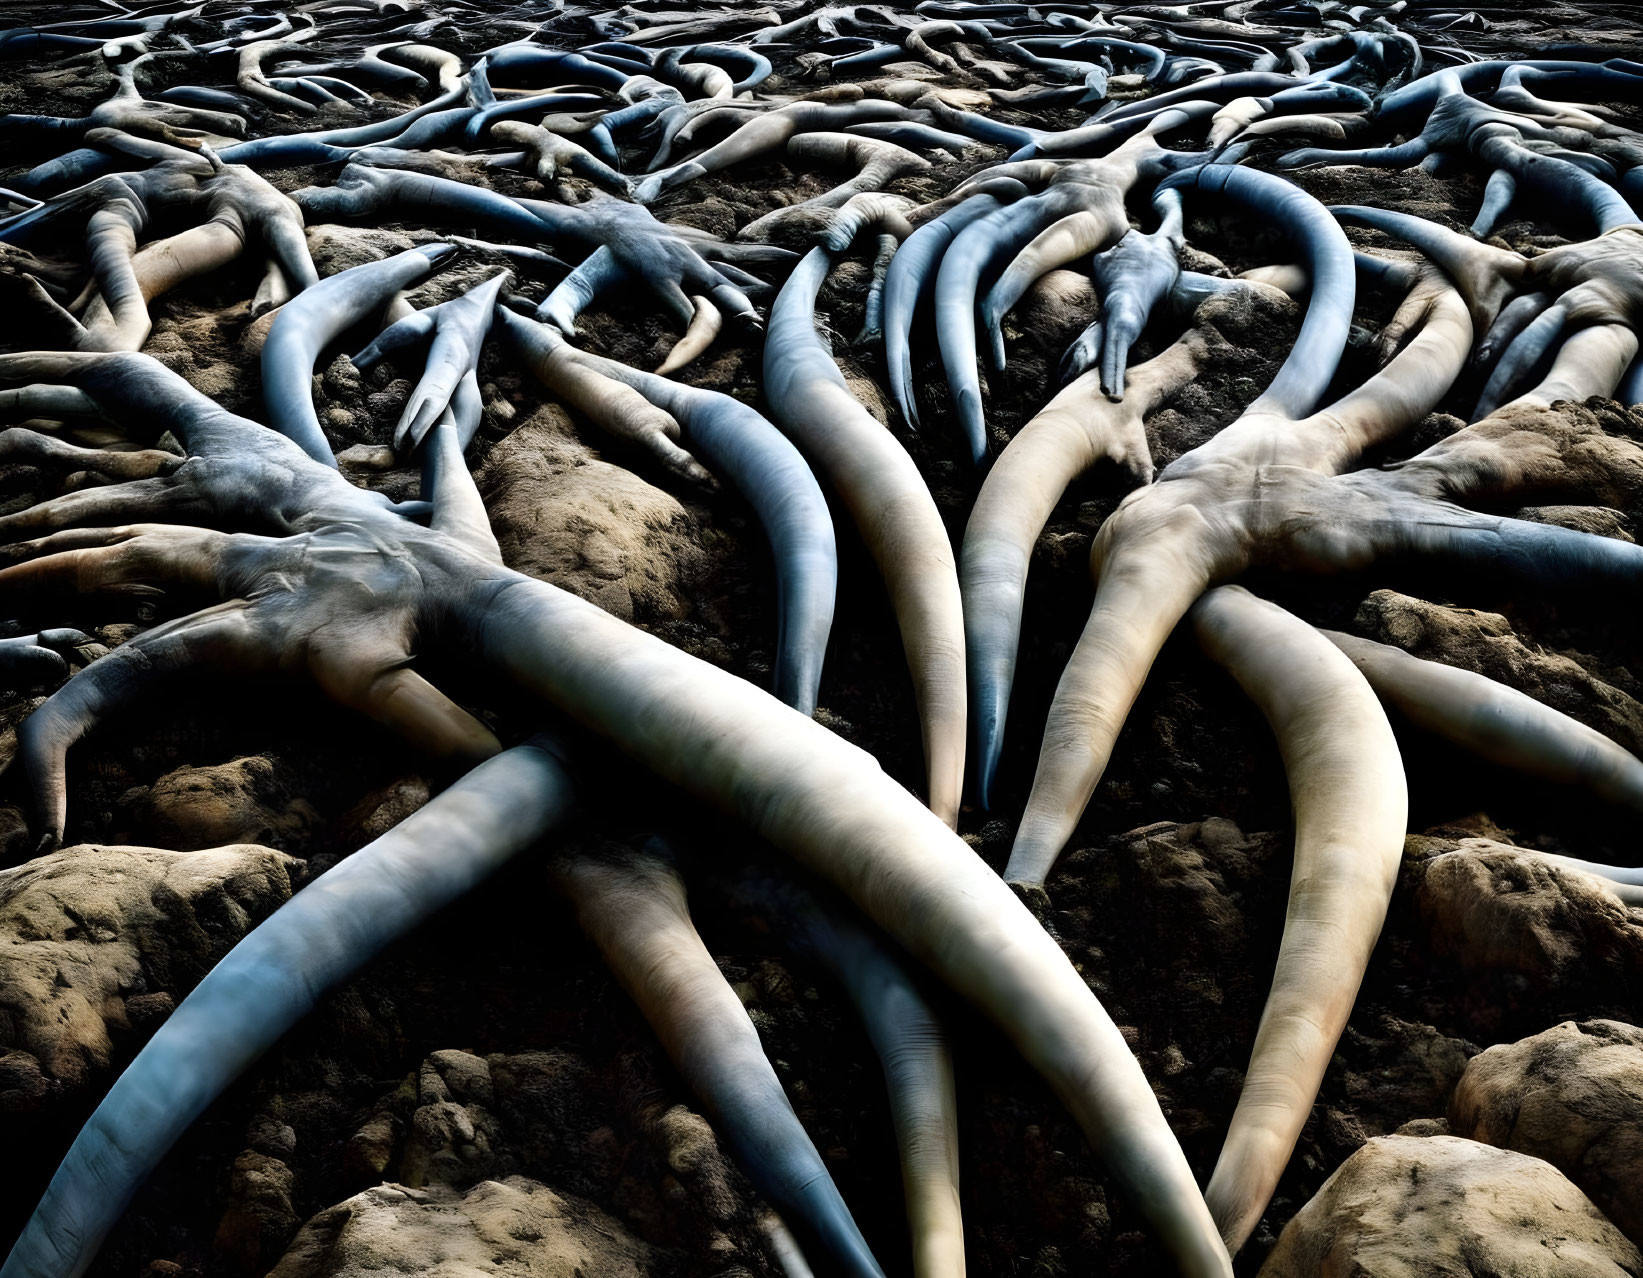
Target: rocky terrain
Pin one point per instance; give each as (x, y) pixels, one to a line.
(484, 1099)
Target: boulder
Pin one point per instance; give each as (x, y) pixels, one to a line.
(1397, 1069)
(1498, 909)
(242, 801)
(95, 941)
(515, 1228)
(1572, 1096)
(563, 514)
(1485, 643)
(1444, 1207)
(453, 1135)
(259, 1218)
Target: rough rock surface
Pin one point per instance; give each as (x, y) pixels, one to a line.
(96, 941)
(452, 1132)
(1583, 449)
(1550, 930)
(515, 1228)
(1572, 1096)
(1444, 1207)
(260, 1215)
(562, 513)
(241, 801)
(1485, 643)
(461, 1118)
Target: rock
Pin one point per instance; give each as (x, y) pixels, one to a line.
(368, 457)
(563, 514)
(370, 1150)
(694, 1156)
(340, 248)
(88, 930)
(1444, 1207)
(259, 1219)
(10, 717)
(452, 1135)
(552, 1111)
(1181, 866)
(15, 839)
(543, 1098)
(1581, 449)
(1572, 1096)
(1246, 331)
(243, 801)
(381, 810)
(339, 421)
(1600, 521)
(1495, 908)
(1400, 1068)
(448, 1144)
(267, 1135)
(514, 1228)
(341, 378)
(1484, 643)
